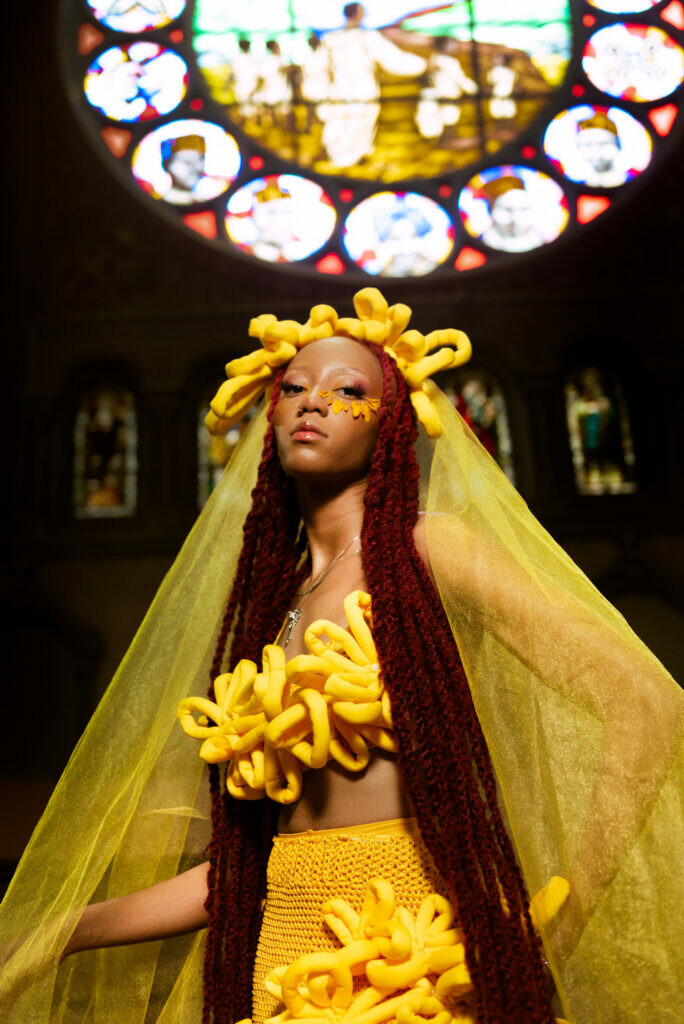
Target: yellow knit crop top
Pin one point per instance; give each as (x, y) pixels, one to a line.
(330, 703)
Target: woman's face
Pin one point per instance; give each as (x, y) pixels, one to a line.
(313, 439)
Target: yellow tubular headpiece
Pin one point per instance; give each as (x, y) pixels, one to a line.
(416, 355)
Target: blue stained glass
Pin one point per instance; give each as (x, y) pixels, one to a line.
(398, 234)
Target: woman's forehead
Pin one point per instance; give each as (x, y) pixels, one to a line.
(331, 353)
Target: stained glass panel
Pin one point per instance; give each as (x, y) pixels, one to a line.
(513, 208)
(600, 146)
(634, 62)
(280, 218)
(623, 6)
(105, 477)
(600, 433)
(136, 81)
(380, 90)
(478, 397)
(132, 16)
(398, 234)
(213, 453)
(186, 162)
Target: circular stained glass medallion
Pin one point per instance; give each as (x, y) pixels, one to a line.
(634, 62)
(513, 208)
(602, 147)
(280, 219)
(136, 81)
(129, 16)
(186, 162)
(398, 234)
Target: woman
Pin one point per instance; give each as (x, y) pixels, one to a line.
(582, 727)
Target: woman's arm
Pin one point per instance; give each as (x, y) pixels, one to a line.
(173, 907)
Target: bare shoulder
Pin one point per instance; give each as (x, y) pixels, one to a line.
(420, 540)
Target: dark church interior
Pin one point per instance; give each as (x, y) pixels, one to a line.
(102, 293)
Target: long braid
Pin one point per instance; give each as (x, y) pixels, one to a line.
(267, 574)
(443, 756)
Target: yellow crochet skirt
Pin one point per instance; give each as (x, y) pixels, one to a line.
(308, 869)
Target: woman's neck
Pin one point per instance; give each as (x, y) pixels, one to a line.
(332, 521)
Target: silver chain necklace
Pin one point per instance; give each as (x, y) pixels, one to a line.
(295, 615)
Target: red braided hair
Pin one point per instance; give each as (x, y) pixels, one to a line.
(443, 757)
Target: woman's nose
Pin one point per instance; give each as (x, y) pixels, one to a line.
(311, 401)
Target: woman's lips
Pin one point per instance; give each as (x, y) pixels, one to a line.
(307, 432)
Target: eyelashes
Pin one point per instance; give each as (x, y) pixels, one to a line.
(347, 390)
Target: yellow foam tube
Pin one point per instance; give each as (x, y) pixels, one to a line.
(216, 750)
(274, 667)
(342, 919)
(360, 756)
(385, 975)
(365, 1001)
(426, 413)
(288, 722)
(454, 983)
(358, 714)
(354, 606)
(435, 914)
(383, 1011)
(441, 960)
(379, 737)
(356, 955)
(358, 687)
(316, 963)
(282, 776)
(397, 943)
(187, 718)
(548, 901)
(378, 905)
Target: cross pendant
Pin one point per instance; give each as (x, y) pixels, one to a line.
(290, 622)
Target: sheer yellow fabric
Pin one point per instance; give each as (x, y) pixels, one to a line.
(583, 724)
(132, 806)
(584, 728)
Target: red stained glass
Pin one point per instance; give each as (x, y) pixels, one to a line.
(176, 36)
(88, 38)
(674, 13)
(196, 104)
(203, 223)
(256, 162)
(528, 152)
(346, 195)
(445, 191)
(662, 118)
(117, 140)
(589, 20)
(330, 264)
(578, 90)
(469, 258)
(589, 207)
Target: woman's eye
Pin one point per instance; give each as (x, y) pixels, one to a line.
(351, 391)
(291, 389)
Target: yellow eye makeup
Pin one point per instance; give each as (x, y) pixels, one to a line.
(358, 406)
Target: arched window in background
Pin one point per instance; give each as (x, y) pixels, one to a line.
(599, 433)
(105, 480)
(478, 397)
(213, 453)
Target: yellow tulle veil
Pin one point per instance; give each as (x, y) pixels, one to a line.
(582, 722)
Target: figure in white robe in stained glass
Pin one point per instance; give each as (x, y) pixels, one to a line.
(355, 54)
(446, 80)
(501, 78)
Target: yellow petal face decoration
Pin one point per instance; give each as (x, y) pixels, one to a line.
(268, 726)
(375, 322)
